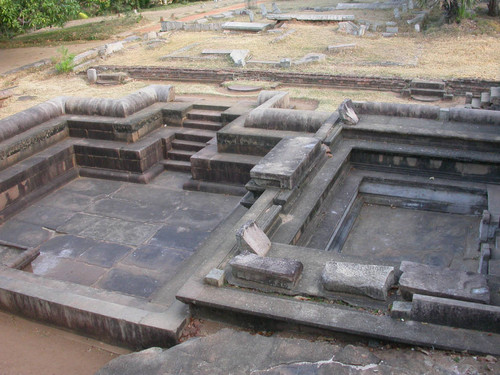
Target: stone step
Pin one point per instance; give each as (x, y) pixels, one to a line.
(421, 84)
(195, 135)
(183, 155)
(427, 92)
(204, 114)
(212, 106)
(180, 144)
(202, 124)
(176, 165)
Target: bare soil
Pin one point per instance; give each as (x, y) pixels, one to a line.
(30, 348)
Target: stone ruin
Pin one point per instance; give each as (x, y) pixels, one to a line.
(368, 220)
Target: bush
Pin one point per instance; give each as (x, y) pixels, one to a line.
(66, 63)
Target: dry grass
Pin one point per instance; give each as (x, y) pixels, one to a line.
(409, 55)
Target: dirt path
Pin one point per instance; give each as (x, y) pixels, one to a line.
(30, 348)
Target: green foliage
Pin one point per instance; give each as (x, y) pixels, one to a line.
(455, 10)
(98, 7)
(20, 15)
(66, 61)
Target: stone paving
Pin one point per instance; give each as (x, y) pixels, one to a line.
(123, 237)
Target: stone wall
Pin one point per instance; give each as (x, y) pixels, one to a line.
(454, 86)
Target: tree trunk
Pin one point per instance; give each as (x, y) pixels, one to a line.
(493, 8)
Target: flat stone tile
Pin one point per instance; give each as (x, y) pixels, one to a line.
(75, 272)
(123, 281)
(67, 200)
(45, 216)
(67, 246)
(130, 210)
(196, 219)
(157, 258)
(152, 195)
(119, 231)
(105, 254)
(427, 237)
(208, 202)
(77, 223)
(92, 187)
(178, 237)
(24, 234)
(171, 180)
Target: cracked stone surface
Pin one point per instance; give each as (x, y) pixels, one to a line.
(235, 352)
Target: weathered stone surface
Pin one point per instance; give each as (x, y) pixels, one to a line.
(279, 272)
(348, 28)
(347, 113)
(357, 356)
(455, 313)
(263, 10)
(363, 279)
(110, 48)
(215, 277)
(310, 58)
(310, 17)
(251, 237)
(276, 9)
(442, 282)
(286, 163)
(393, 29)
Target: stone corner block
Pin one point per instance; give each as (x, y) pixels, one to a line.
(278, 272)
(362, 279)
(215, 277)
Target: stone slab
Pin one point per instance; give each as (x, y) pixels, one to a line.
(362, 279)
(215, 277)
(246, 26)
(401, 310)
(456, 313)
(181, 237)
(494, 199)
(251, 237)
(442, 282)
(341, 47)
(286, 163)
(311, 17)
(279, 272)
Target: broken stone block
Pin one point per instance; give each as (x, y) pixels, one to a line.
(362, 30)
(468, 98)
(215, 277)
(484, 226)
(251, 16)
(392, 29)
(388, 35)
(348, 28)
(484, 258)
(92, 75)
(475, 103)
(285, 63)
(442, 282)
(362, 279)
(239, 56)
(495, 95)
(417, 27)
(410, 4)
(455, 313)
(251, 237)
(310, 58)
(346, 112)
(263, 10)
(279, 272)
(397, 14)
(485, 99)
(275, 8)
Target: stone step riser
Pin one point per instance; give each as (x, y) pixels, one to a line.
(194, 137)
(177, 166)
(210, 107)
(203, 125)
(215, 117)
(428, 85)
(178, 155)
(427, 92)
(179, 144)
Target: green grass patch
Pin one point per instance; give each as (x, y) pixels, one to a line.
(90, 31)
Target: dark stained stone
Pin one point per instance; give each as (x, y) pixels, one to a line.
(104, 254)
(123, 281)
(178, 237)
(157, 257)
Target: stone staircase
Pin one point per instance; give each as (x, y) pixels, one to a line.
(198, 128)
(426, 91)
